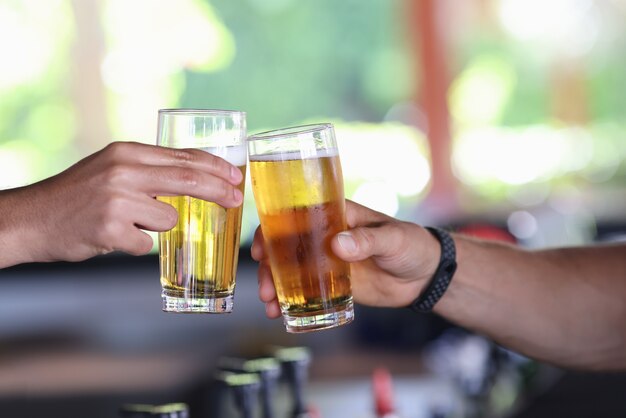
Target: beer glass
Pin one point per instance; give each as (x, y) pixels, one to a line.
(298, 190)
(198, 257)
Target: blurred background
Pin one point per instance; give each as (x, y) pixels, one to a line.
(504, 119)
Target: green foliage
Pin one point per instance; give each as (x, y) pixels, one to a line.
(296, 60)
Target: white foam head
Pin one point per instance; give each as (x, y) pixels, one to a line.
(297, 155)
(235, 155)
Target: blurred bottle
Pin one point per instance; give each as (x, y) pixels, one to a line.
(245, 389)
(172, 410)
(136, 411)
(295, 363)
(268, 371)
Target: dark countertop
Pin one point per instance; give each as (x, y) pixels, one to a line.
(80, 339)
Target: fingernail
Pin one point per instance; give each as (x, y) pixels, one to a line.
(235, 174)
(347, 242)
(237, 195)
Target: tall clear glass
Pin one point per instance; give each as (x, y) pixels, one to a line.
(298, 189)
(198, 257)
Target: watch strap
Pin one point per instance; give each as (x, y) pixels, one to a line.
(443, 275)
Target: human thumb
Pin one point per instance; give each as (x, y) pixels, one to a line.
(364, 242)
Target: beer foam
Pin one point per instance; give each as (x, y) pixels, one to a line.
(296, 155)
(235, 155)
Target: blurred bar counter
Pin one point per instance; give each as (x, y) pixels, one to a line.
(82, 339)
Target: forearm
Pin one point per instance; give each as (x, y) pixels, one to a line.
(16, 234)
(565, 306)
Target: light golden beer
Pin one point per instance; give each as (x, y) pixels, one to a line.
(301, 207)
(198, 257)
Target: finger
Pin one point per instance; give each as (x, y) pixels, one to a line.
(135, 242)
(258, 245)
(154, 215)
(177, 181)
(386, 240)
(359, 215)
(205, 161)
(267, 291)
(272, 309)
(196, 159)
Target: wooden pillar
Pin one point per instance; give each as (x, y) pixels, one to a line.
(430, 46)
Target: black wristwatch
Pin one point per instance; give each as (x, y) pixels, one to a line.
(443, 275)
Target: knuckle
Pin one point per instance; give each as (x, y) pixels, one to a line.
(116, 150)
(113, 208)
(111, 228)
(116, 174)
(212, 161)
(189, 177)
(367, 238)
(102, 250)
(223, 190)
(217, 165)
(184, 156)
(108, 234)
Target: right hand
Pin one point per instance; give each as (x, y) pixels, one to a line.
(391, 260)
(102, 203)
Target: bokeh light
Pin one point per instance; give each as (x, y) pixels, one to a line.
(30, 36)
(481, 91)
(148, 48)
(383, 163)
(569, 27)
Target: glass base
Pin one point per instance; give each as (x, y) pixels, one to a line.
(314, 321)
(216, 305)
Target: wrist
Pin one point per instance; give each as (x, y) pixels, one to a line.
(19, 239)
(442, 276)
(423, 266)
(431, 254)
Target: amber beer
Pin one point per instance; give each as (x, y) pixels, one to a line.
(301, 207)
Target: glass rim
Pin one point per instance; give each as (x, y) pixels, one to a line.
(290, 131)
(202, 112)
